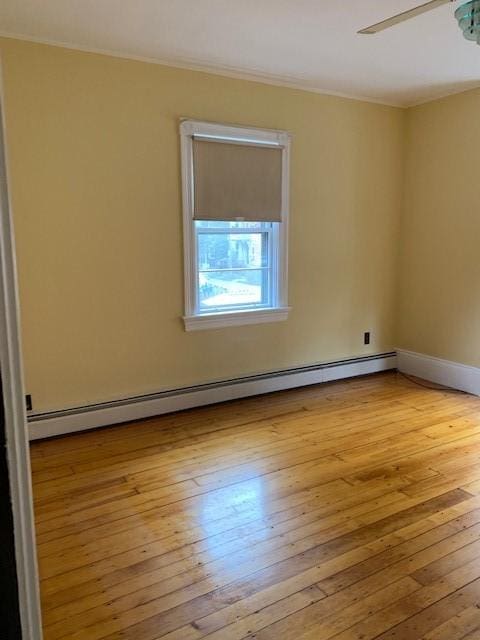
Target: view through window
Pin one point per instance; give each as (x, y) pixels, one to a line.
(234, 265)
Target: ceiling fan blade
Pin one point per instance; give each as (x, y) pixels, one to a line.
(405, 15)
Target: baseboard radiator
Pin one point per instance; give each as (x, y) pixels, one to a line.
(54, 423)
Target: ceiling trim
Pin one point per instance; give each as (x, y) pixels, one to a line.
(442, 96)
(191, 65)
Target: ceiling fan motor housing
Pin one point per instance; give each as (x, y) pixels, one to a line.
(468, 16)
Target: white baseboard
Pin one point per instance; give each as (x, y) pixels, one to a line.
(444, 372)
(71, 420)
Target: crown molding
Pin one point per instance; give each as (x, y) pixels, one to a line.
(218, 70)
(442, 96)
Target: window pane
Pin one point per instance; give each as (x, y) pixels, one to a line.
(240, 288)
(232, 250)
(231, 224)
(233, 265)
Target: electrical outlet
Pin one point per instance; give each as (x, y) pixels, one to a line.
(366, 337)
(28, 402)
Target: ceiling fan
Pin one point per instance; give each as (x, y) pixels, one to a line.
(468, 16)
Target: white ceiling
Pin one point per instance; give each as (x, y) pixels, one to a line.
(307, 43)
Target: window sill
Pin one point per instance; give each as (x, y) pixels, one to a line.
(235, 318)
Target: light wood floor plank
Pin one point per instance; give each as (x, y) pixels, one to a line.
(347, 511)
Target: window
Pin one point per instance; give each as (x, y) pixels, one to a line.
(235, 200)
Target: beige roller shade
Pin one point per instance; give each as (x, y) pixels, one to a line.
(234, 181)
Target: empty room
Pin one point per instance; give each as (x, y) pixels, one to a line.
(240, 320)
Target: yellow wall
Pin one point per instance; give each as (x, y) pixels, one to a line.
(440, 284)
(94, 160)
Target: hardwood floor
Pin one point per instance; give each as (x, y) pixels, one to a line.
(347, 511)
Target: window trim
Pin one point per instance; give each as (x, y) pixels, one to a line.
(192, 319)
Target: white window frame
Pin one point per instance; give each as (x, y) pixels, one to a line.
(194, 319)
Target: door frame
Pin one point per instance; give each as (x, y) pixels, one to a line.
(18, 455)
